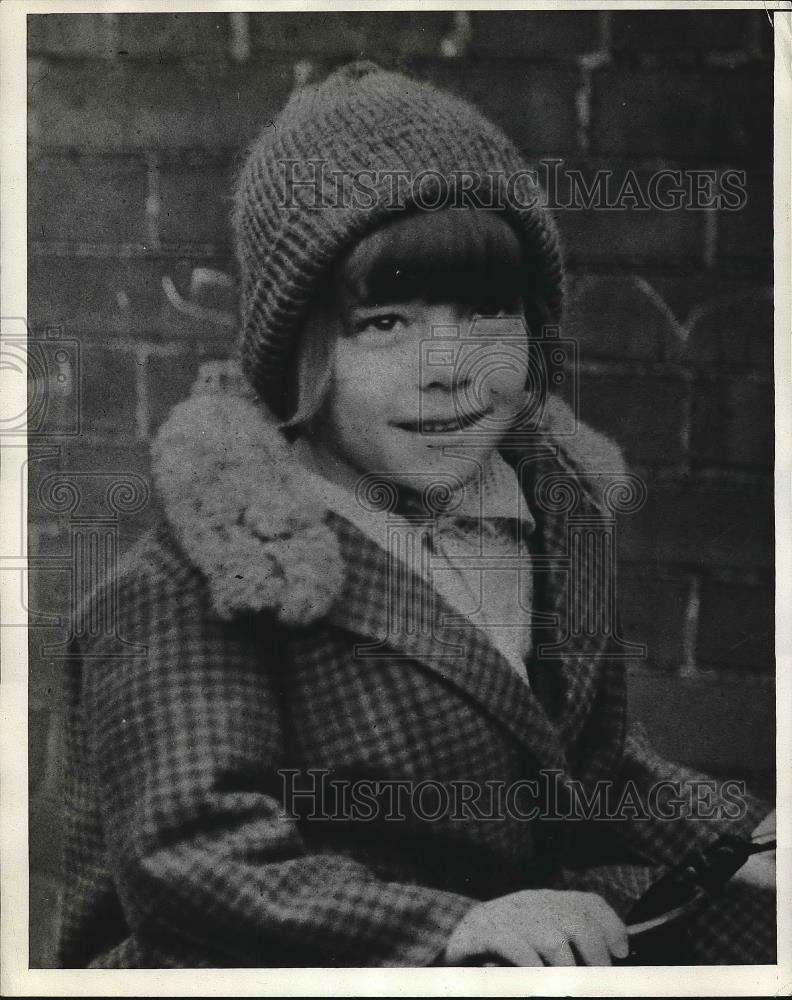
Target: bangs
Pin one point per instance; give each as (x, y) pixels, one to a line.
(470, 256)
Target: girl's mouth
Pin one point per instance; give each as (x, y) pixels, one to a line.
(449, 425)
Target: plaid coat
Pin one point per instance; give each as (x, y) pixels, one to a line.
(237, 673)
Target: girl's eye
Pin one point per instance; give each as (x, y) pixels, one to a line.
(381, 323)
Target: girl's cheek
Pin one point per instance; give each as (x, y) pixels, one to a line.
(355, 370)
(505, 375)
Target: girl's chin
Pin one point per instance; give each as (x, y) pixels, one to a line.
(462, 463)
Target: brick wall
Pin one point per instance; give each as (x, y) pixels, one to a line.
(135, 124)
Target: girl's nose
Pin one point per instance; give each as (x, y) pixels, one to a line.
(446, 327)
(446, 320)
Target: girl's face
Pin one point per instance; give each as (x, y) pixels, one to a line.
(430, 366)
(423, 389)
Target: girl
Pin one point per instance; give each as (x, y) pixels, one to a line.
(356, 710)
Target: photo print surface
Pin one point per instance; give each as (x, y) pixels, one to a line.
(400, 488)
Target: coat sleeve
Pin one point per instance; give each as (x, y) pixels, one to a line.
(697, 808)
(186, 741)
(621, 857)
(664, 811)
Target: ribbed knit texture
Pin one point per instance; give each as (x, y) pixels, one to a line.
(361, 118)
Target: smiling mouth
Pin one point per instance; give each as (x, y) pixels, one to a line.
(445, 426)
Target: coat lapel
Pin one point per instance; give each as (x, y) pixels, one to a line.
(569, 657)
(397, 613)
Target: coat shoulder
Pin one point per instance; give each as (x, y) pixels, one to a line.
(586, 450)
(158, 558)
(153, 579)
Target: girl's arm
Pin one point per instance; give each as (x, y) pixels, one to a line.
(709, 808)
(186, 743)
(648, 841)
(670, 811)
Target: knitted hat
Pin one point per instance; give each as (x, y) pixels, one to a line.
(343, 155)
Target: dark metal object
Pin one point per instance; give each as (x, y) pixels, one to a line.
(658, 923)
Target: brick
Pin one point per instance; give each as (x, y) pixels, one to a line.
(355, 35)
(39, 722)
(84, 456)
(45, 645)
(44, 902)
(610, 236)
(684, 293)
(163, 36)
(169, 380)
(120, 106)
(733, 422)
(718, 115)
(42, 594)
(195, 203)
(734, 329)
(675, 31)
(617, 317)
(45, 539)
(743, 113)
(94, 467)
(533, 34)
(54, 378)
(101, 296)
(69, 35)
(48, 597)
(109, 398)
(645, 414)
(722, 727)
(748, 233)
(93, 199)
(652, 612)
(46, 833)
(133, 36)
(702, 523)
(54, 537)
(533, 103)
(737, 627)
(201, 309)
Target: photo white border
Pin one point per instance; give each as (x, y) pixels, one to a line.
(15, 977)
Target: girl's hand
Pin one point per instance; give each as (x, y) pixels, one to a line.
(760, 869)
(766, 829)
(539, 927)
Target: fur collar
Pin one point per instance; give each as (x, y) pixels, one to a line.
(244, 511)
(240, 506)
